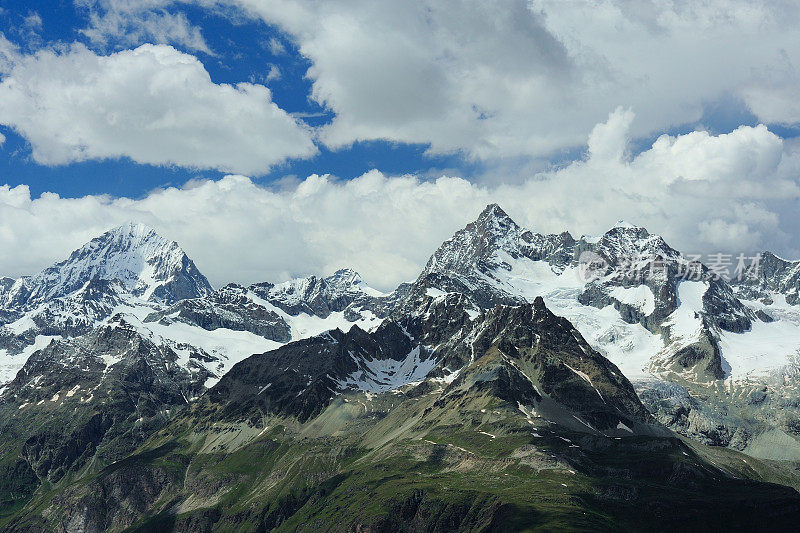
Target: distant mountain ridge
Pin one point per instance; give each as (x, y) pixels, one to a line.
(139, 391)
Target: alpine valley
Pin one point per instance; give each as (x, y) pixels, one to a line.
(521, 382)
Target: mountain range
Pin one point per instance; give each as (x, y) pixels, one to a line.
(522, 381)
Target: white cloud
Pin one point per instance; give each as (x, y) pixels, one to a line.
(276, 47)
(704, 193)
(518, 78)
(33, 21)
(274, 73)
(152, 104)
(133, 22)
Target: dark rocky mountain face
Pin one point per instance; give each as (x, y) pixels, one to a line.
(92, 400)
(544, 359)
(230, 308)
(553, 355)
(302, 378)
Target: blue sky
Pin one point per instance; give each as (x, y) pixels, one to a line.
(682, 117)
(241, 52)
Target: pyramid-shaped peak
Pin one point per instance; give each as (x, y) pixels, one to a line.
(146, 264)
(493, 212)
(133, 231)
(628, 240)
(130, 238)
(493, 221)
(624, 224)
(347, 274)
(493, 230)
(344, 278)
(623, 227)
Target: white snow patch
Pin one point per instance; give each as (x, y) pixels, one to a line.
(382, 375)
(767, 347)
(624, 427)
(685, 324)
(226, 345)
(434, 292)
(641, 298)
(11, 364)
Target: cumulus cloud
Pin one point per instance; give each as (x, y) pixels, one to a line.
(498, 80)
(704, 193)
(729, 192)
(450, 73)
(153, 104)
(526, 78)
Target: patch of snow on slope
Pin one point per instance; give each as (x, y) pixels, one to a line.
(21, 325)
(685, 323)
(11, 364)
(227, 345)
(382, 375)
(641, 297)
(623, 427)
(767, 346)
(304, 325)
(434, 292)
(629, 346)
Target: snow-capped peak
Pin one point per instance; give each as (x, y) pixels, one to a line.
(131, 228)
(148, 266)
(625, 225)
(495, 221)
(493, 230)
(347, 277)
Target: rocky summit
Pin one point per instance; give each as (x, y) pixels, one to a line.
(523, 381)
